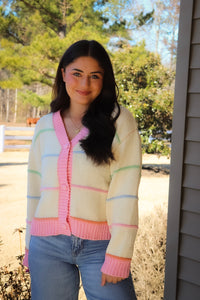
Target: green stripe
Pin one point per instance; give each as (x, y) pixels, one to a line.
(41, 131)
(126, 168)
(117, 137)
(34, 172)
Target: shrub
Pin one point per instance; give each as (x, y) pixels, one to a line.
(15, 284)
(146, 88)
(148, 264)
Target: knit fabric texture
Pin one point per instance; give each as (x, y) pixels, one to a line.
(69, 194)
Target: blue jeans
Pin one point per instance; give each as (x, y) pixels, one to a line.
(55, 263)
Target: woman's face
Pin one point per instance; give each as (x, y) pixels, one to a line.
(83, 80)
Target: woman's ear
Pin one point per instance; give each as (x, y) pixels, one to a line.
(63, 74)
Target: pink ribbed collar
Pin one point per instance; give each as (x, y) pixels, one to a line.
(62, 134)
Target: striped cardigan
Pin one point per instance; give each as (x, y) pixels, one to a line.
(69, 194)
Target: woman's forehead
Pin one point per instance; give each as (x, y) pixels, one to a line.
(85, 64)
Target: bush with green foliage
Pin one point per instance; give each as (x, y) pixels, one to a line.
(146, 89)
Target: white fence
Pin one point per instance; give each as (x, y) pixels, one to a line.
(4, 137)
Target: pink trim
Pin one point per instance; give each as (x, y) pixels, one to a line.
(49, 226)
(124, 225)
(82, 134)
(62, 134)
(60, 129)
(89, 188)
(90, 230)
(64, 193)
(116, 266)
(65, 165)
(81, 228)
(28, 222)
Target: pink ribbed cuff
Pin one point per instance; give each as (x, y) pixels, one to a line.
(116, 266)
(25, 261)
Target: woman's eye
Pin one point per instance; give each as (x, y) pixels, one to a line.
(77, 74)
(94, 76)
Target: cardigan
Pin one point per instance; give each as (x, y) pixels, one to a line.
(69, 194)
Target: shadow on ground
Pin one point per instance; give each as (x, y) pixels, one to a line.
(162, 168)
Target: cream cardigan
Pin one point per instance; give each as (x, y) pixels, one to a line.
(69, 194)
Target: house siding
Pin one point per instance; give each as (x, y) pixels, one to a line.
(182, 279)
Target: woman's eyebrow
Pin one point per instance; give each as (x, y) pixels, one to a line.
(94, 72)
(77, 70)
(99, 72)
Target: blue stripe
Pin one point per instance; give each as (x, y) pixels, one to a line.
(49, 155)
(32, 197)
(122, 196)
(78, 151)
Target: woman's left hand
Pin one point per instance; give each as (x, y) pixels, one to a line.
(110, 279)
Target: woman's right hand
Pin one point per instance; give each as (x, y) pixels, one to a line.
(110, 279)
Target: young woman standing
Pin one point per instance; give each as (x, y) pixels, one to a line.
(83, 177)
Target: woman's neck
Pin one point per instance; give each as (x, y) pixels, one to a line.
(75, 112)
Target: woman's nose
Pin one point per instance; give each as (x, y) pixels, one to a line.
(85, 81)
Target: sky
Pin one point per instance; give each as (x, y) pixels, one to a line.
(128, 9)
(150, 36)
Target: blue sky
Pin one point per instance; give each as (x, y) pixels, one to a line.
(128, 9)
(150, 34)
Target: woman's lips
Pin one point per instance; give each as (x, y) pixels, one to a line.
(83, 93)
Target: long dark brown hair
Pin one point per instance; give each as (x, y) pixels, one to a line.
(103, 111)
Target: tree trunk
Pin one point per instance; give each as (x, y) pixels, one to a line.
(158, 23)
(38, 111)
(15, 112)
(34, 112)
(7, 104)
(63, 27)
(1, 108)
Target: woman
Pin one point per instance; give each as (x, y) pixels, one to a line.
(83, 176)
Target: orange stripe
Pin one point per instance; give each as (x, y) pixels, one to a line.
(88, 221)
(88, 188)
(118, 257)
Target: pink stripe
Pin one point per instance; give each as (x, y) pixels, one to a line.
(124, 225)
(28, 222)
(89, 188)
(48, 188)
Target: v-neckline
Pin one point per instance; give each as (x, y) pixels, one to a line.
(62, 134)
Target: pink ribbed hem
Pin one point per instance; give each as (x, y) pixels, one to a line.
(81, 228)
(49, 226)
(116, 266)
(25, 261)
(90, 230)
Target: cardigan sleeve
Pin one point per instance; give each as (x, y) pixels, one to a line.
(122, 204)
(33, 187)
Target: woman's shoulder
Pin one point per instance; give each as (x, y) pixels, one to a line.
(125, 122)
(44, 121)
